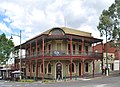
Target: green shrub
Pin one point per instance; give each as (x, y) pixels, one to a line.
(45, 81)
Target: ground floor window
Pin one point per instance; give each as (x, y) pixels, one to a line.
(29, 67)
(73, 68)
(112, 66)
(34, 67)
(41, 68)
(49, 68)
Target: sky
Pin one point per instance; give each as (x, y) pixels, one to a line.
(33, 17)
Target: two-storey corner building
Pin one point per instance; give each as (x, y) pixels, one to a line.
(59, 53)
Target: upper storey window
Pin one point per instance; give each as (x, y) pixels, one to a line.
(56, 31)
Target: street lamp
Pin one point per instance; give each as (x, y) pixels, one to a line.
(19, 35)
(119, 59)
(106, 56)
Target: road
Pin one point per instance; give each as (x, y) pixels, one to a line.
(95, 82)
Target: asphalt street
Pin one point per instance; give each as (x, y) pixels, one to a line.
(93, 82)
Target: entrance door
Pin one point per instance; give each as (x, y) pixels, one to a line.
(59, 71)
(79, 69)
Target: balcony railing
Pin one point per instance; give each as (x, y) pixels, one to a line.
(61, 53)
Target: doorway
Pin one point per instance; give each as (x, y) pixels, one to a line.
(79, 69)
(58, 71)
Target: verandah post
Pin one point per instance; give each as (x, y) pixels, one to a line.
(93, 60)
(70, 57)
(42, 58)
(36, 60)
(83, 58)
(30, 61)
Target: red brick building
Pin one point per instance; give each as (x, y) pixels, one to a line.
(113, 54)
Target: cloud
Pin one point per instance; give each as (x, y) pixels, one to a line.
(7, 20)
(4, 28)
(36, 16)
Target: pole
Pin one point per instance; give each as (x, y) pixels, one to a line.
(119, 60)
(106, 56)
(20, 56)
(102, 60)
(93, 60)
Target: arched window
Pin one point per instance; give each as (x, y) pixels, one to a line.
(49, 68)
(56, 31)
(41, 70)
(73, 67)
(33, 67)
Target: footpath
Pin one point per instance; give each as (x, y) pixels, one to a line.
(100, 75)
(86, 77)
(96, 76)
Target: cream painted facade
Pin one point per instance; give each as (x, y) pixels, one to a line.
(60, 52)
(62, 46)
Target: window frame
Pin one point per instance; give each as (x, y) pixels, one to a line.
(56, 31)
(48, 68)
(33, 67)
(72, 69)
(41, 70)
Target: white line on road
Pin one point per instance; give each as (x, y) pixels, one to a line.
(2, 83)
(18, 85)
(86, 79)
(101, 85)
(6, 85)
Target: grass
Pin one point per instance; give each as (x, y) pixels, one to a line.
(48, 81)
(26, 80)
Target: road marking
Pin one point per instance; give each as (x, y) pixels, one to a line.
(2, 83)
(6, 85)
(18, 85)
(27, 84)
(86, 79)
(101, 85)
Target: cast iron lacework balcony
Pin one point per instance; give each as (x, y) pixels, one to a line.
(61, 53)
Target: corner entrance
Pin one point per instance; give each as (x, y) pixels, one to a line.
(59, 71)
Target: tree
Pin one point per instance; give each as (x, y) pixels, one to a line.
(105, 27)
(109, 25)
(110, 22)
(105, 24)
(114, 11)
(6, 47)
